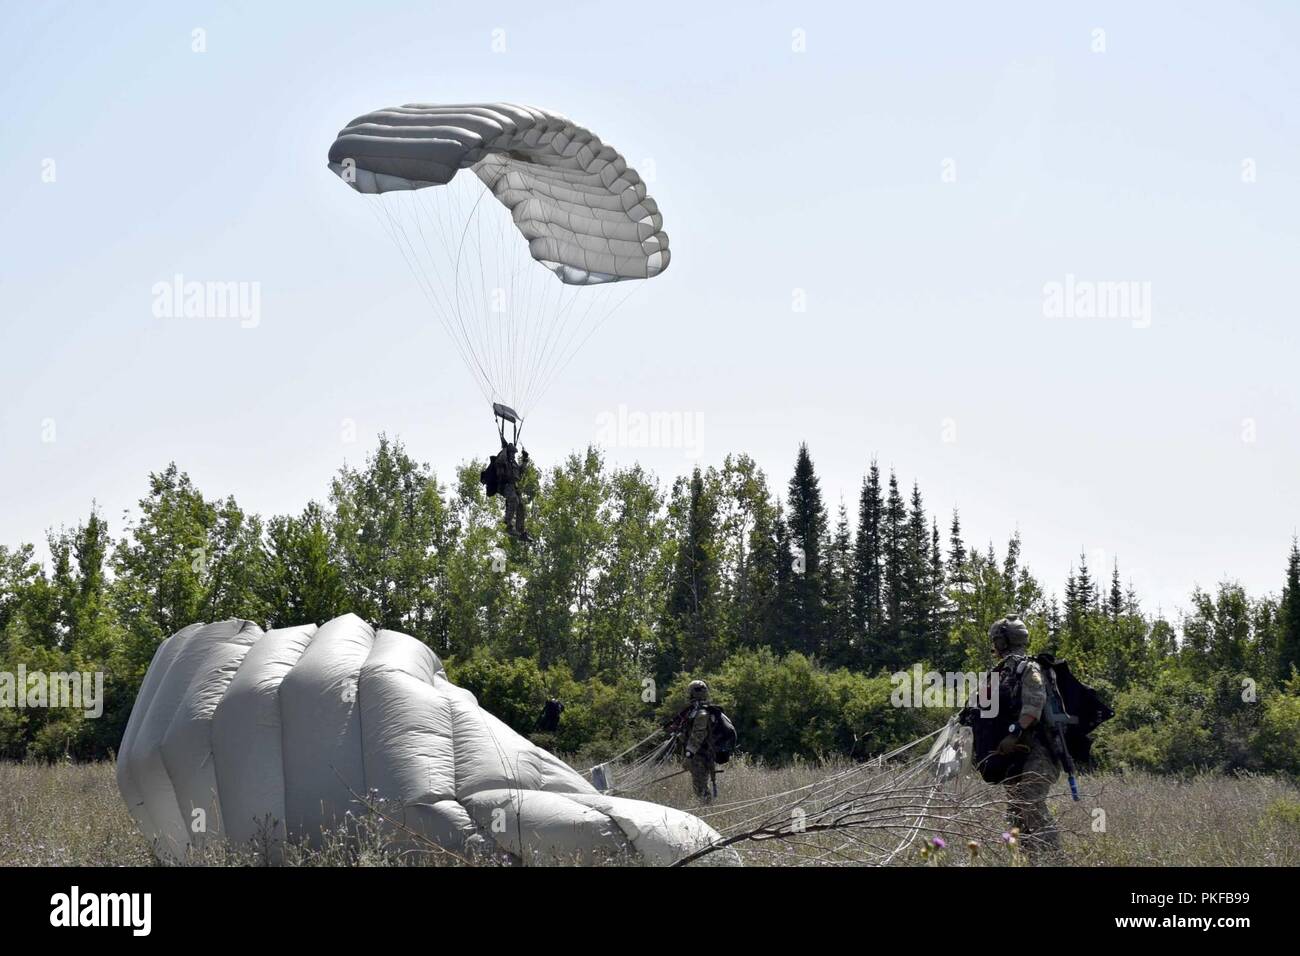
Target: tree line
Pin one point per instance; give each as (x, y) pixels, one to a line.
(797, 614)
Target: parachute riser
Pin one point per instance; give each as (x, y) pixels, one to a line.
(504, 413)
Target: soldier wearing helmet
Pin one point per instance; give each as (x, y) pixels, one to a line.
(1027, 790)
(694, 726)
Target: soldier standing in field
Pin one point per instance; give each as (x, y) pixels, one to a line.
(695, 725)
(1027, 790)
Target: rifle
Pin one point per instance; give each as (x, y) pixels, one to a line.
(1056, 720)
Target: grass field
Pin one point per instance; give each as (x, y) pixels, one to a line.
(71, 814)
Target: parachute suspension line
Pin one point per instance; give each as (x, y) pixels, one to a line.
(442, 309)
(400, 238)
(488, 302)
(444, 305)
(500, 322)
(540, 298)
(523, 277)
(498, 342)
(525, 365)
(452, 221)
(819, 788)
(643, 771)
(460, 249)
(600, 322)
(514, 323)
(554, 330)
(558, 342)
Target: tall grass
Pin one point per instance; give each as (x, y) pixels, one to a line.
(71, 814)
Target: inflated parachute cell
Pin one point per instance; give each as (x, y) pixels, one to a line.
(241, 734)
(583, 210)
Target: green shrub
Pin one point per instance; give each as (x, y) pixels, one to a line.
(513, 689)
(788, 707)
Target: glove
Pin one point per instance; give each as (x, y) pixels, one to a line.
(1009, 745)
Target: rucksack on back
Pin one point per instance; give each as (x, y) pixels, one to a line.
(724, 735)
(488, 476)
(1083, 704)
(988, 727)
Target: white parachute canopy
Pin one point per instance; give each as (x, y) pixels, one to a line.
(571, 203)
(241, 734)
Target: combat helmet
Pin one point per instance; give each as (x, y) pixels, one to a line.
(1009, 634)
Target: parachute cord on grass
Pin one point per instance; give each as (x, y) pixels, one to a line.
(639, 743)
(825, 792)
(668, 776)
(718, 808)
(910, 836)
(844, 816)
(846, 805)
(633, 774)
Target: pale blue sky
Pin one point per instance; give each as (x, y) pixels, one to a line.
(777, 170)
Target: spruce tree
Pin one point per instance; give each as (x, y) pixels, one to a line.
(841, 649)
(780, 621)
(1288, 650)
(1011, 573)
(868, 608)
(895, 561)
(917, 586)
(938, 595)
(1086, 592)
(807, 521)
(691, 603)
(1115, 606)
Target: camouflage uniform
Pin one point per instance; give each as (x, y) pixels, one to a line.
(699, 743)
(1027, 792)
(515, 510)
(695, 724)
(509, 474)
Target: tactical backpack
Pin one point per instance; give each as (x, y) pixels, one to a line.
(488, 476)
(1070, 703)
(990, 723)
(724, 734)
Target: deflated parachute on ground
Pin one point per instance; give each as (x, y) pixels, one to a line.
(242, 734)
(577, 207)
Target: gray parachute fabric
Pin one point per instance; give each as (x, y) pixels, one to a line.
(239, 734)
(544, 190)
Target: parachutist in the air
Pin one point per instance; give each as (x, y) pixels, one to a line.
(504, 472)
(510, 471)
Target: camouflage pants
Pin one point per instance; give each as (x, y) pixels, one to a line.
(701, 777)
(515, 512)
(1027, 800)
